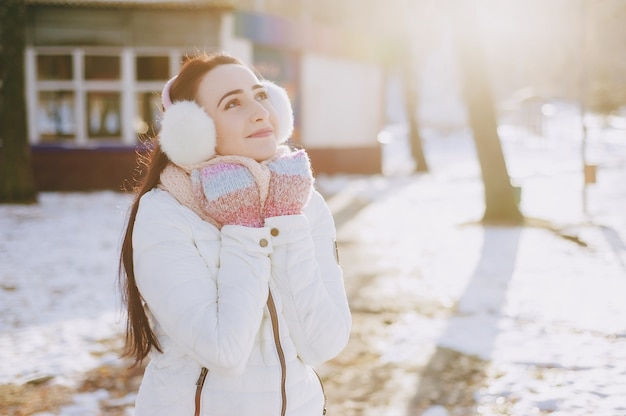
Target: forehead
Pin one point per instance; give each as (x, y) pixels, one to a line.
(225, 78)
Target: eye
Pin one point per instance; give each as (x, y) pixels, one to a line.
(262, 95)
(231, 104)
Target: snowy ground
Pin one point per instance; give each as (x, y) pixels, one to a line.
(546, 313)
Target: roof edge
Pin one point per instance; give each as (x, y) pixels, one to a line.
(168, 4)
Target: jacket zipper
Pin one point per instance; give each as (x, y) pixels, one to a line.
(199, 385)
(281, 357)
(279, 349)
(323, 392)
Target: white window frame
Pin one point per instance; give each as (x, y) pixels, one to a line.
(127, 86)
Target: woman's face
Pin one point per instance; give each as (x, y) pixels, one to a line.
(245, 121)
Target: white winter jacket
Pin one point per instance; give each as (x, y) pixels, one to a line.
(206, 292)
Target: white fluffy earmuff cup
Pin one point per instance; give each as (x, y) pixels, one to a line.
(281, 103)
(187, 134)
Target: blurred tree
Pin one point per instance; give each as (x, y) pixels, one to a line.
(16, 176)
(412, 98)
(500, 201)
(414, 29)
(605, 96)
(606, 83)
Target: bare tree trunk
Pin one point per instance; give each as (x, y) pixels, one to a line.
(500, 201)
(16, 177)
(410, 77)
(415, 138)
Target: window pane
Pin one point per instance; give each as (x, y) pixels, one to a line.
(55, 115)
(103, 115)
(149, 114)
(102, 67)
(54, 67)
(153, 68)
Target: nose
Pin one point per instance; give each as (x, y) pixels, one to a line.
(259, 112)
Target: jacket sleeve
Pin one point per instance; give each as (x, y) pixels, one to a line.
(213, 318)
(307, 274)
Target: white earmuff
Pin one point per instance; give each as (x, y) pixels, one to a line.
(187, 134)
(281, 103)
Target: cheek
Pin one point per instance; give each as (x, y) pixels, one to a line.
(273, 118)
(224, 144)
(224, 132)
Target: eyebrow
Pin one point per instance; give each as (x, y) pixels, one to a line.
(239, 91)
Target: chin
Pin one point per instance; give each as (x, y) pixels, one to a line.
(260, 157)
(263, 152)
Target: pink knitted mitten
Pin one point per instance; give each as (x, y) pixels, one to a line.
(229, 194)
(291, 184)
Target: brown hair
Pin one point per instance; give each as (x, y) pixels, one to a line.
(140, 339)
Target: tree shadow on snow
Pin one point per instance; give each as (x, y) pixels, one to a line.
(452, 377)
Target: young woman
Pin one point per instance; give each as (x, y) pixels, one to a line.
(229, 265)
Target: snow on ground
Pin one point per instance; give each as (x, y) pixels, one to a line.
(58, 281)
(547, 312)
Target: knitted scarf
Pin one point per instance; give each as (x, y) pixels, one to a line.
(176, 180)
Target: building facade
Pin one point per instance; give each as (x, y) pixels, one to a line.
(95, 68)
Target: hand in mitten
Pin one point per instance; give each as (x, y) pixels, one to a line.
(291, 184)
(229, 194)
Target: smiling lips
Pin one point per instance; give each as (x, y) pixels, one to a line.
(261, 133)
